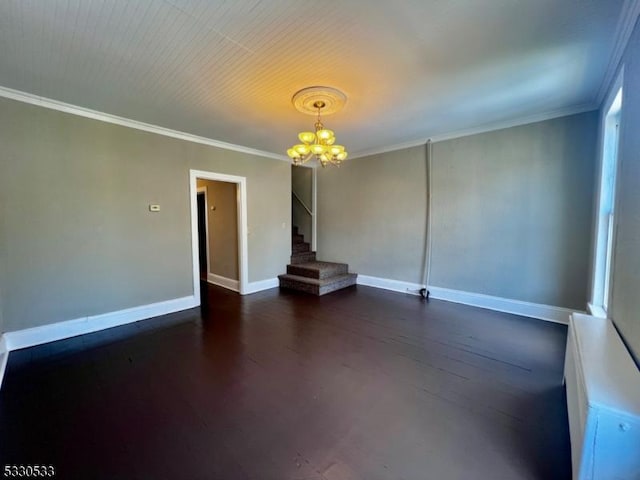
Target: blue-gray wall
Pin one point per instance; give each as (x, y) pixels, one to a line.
(76, 235)
(511, 212)
(625, 295)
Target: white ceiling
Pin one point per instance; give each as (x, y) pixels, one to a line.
(226, 70)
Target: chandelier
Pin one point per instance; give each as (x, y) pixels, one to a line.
(319, 144)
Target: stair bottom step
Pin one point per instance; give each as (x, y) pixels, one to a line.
(316, 286)
(318, 270)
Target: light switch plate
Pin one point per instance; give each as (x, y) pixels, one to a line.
(154, 208)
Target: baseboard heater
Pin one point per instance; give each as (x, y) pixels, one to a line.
(603, 400)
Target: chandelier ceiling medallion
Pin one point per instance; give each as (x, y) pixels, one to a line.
(321, 143)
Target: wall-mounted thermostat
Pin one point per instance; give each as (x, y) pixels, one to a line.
(154, 208)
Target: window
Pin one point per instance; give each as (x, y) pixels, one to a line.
(606, 220)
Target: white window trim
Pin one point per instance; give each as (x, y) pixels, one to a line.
(604, 233)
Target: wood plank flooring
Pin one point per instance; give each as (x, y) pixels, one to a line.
(360, 384)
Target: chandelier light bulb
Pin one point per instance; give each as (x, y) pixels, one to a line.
(324, 135)
(302, 150)
(318, 149)
(307, 137)
(336, 150)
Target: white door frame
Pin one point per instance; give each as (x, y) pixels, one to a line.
(314, 217)
(241, 199)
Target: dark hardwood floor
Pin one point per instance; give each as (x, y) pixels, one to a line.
(360, 384)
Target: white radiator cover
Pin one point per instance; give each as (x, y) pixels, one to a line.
(603, 400)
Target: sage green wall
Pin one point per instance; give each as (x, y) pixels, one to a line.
(511, 212)
(625, 296)
(372, 213)
(222, 235)
(3, 256)
(76, 230)
(3, 249)
(302, 184)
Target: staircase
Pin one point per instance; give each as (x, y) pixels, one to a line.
(309, 275)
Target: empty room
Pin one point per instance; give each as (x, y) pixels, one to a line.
(292, 240)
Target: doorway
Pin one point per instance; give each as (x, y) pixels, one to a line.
(203, 233)
(220, 225)
(304, 202)
(203, 217)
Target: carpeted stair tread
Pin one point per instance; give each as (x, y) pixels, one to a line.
(318, 269)
(300, 247)
(303, 257)
(306, 274)
(317, 286)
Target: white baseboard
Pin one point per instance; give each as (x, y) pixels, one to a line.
(223, 282)
(4, 357)
(499, 304)
(388, 284)
(70, 328)
(254, 287)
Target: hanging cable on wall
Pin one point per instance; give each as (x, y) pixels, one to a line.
(426, 266)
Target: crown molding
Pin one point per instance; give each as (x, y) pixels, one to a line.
(626, 23)
(127, 122)
(488, 127)
(45, 102)
(387, 149)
